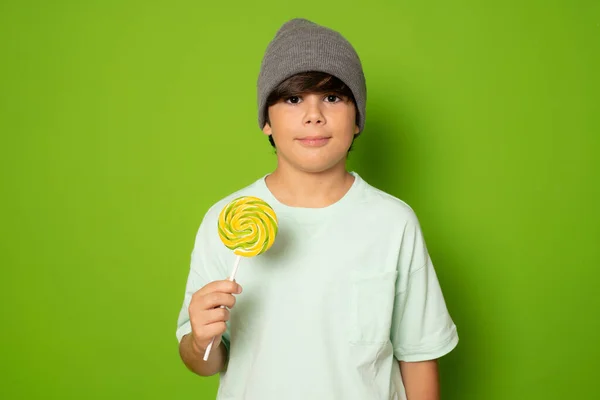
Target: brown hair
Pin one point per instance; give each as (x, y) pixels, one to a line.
(309, 82)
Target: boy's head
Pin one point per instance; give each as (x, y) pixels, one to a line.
(311, 85)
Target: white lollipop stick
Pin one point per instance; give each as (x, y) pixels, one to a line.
(231, 278)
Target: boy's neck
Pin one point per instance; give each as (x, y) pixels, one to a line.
(296, 188)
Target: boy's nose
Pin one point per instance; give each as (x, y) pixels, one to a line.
(314, 120)
(314, 114)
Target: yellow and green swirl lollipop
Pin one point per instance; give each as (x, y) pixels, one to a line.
(248, 226)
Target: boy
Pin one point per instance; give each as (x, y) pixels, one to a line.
(347, 300)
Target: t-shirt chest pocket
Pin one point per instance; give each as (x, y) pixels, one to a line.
(371, 306)
(366, 274)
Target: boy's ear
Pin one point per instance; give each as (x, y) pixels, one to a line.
(267, 129)
(356, 129)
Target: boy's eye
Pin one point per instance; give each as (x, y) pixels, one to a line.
(333, 98)
(293, 99)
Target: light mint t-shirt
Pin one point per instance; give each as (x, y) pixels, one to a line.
(344, 293)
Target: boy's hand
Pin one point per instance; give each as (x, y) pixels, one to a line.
(207, 318)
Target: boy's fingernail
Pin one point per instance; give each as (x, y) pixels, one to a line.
(239, 289)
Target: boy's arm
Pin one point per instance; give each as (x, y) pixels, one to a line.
(205, 269)
(422, 330)
(192, 357)
(420, 380)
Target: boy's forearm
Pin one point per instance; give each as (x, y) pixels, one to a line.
(192, 357)
(421, 380)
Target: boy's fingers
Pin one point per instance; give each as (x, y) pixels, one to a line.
(216, 315)
(207, 332)
(216, 299)
(211, 330)
(224, 286)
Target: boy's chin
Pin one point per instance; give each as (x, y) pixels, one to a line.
(317, 166)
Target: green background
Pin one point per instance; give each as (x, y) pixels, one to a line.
(122, 122)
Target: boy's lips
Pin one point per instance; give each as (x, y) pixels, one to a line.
(314, 141)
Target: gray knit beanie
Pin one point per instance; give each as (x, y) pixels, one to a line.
(301, 46)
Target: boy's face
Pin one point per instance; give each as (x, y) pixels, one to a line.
(312, 132)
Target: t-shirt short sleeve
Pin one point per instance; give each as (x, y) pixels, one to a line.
(422, 328)
(204, 268)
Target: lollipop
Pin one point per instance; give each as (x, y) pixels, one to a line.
(248, 226)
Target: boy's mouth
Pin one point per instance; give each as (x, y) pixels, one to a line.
(314, 141)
